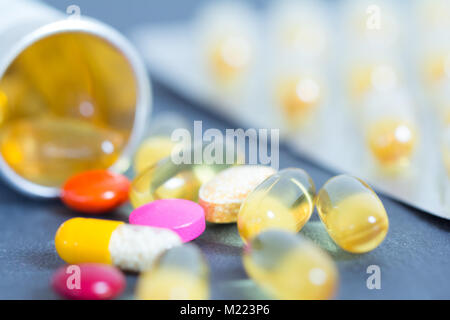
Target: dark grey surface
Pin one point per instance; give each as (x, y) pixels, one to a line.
(414, 259)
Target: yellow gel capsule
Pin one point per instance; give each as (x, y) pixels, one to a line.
(391, 141)
(229, 58)
(298, 98)
(352, 214)
(181, 273)
(49, 150)
(151, 151)
(167, 180)
(285, 200)
(290, 267)
(129, 247)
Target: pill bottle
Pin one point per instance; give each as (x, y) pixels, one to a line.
(74, 96)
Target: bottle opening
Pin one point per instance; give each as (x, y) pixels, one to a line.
(67, 104)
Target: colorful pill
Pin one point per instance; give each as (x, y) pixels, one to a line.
(223, 195)
(88, 281)
(290, 267)
(129, 247)
(95, 191)
(352, 213)
(168, 179)
(181, 273)
(285, 200)
(184, 217)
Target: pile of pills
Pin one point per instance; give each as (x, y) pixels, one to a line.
(269, 208)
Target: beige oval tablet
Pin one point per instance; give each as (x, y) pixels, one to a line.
(222, 196)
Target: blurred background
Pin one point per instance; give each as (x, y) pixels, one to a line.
(347, 94)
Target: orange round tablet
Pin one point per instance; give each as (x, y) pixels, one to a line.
(95, 191)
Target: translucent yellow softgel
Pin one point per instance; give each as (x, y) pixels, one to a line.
(290, 267)
(48, 150)
(229, 58)
(352, 213)
(285, 200)
(168, 180)
(64, 109)
(181, 273)
(298, 98)
(391, 141)
(151, 151)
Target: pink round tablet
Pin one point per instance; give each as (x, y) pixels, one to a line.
(185, 217)
(88, 281)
